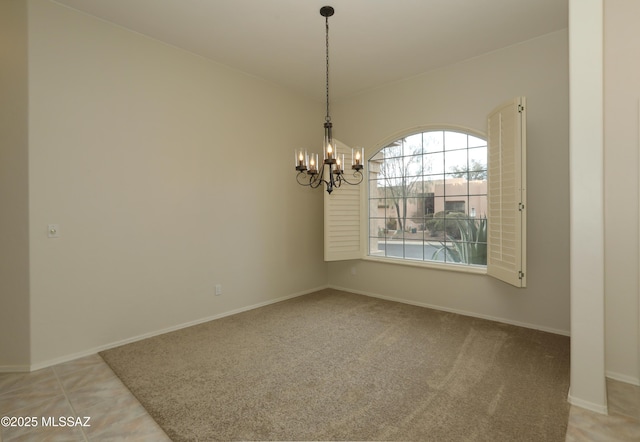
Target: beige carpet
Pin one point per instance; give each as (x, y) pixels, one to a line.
(339, 366)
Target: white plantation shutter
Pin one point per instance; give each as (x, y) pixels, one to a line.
(506, 255)
(342, 215)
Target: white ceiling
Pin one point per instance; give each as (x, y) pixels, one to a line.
(372, 42)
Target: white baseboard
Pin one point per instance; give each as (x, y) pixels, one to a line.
(587, 405)
(623, 378)
(100, 348)
(453, 310)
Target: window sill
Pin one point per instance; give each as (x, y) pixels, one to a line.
(463, 268)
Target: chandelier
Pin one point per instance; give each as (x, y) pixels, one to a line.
(331, 171)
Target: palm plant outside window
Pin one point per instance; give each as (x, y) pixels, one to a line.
(428, 199)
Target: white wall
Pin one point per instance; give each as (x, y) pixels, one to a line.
(588, 388)
(14, 238)
(464, 94)
(622, 93)
(167, 174)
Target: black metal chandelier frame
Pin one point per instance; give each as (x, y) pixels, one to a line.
(333, 163)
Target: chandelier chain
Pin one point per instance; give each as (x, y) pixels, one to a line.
(327, 118)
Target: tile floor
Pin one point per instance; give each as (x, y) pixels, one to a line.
(82, 388)
(622, 424)
(87, 387)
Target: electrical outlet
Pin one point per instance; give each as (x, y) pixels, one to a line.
(218, 289)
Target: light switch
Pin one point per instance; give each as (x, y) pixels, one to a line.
(53, 230)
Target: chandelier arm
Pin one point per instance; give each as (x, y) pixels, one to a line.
(304, 175)
(318, 180)
(357, 175)
(338, 180)
(308, 180)
(315, 180)
(315, 183)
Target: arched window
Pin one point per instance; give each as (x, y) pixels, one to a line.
(428, 198)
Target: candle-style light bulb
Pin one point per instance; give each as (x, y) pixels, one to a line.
(312, 159)
(340, 162)
(301, 160)
(329, 151)
(357, 155)
(313, 167)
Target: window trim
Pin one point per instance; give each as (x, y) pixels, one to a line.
(435, 265)
(365, 220)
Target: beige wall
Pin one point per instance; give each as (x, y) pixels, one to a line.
(463, 95)
(167, 174)
(622, 92)
(14, 214)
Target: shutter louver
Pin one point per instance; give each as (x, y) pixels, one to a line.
(342, 215)
(506, 257)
